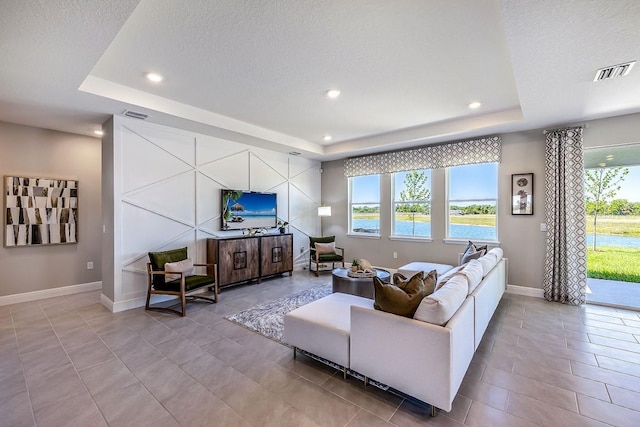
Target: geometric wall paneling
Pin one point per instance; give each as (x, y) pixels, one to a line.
(177, 143)
(282, 197)
(303, 212)
(208, 198)
(145, 163)
(297, 165)
(211, 227)
(307, 182)
(209, 149)
(277, 161)
(131, 285)
(144, 231)
(263, 176)
(231, 172)
(173, 197)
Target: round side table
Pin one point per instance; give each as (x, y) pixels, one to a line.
(362, 287)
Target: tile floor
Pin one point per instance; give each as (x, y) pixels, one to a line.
(67, 361)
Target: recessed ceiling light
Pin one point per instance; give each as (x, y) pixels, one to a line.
(610, 157)
(475, 105)
(98, 132)
(327, 137)
(602, 165)
(333, 93)
(155, 77)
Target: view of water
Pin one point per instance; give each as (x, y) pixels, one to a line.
(609, 240)
(477, 232)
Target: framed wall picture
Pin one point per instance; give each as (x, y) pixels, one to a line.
(522, 194)
(40, 211)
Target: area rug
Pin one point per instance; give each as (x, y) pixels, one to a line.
(267, 319)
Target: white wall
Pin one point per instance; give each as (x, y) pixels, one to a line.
(164, 192)
(33, 152)
(519, 235)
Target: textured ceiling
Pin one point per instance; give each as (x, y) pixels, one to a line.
(256, 72)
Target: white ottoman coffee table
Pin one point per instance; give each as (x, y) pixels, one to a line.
(323, 327)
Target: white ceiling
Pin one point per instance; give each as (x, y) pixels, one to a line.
(256, 72)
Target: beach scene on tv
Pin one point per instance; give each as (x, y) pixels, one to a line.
(245, 209)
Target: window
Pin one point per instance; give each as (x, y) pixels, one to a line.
(364, 204)
(472, 201)
(412, 203)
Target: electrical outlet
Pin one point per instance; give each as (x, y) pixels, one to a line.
(543, 227)
(395, 255)
(90, 265)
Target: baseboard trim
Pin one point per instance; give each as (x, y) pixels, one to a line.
(524, 290)
(49, 293)
(116, 307)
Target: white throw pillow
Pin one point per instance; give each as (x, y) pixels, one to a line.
(441, 305)
(473, 272)
(185, 266)
(326, 248)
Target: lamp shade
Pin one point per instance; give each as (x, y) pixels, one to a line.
(324, 210)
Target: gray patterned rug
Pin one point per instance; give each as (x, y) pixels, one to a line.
(267, 319)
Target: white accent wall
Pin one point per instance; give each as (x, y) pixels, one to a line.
(161, 190)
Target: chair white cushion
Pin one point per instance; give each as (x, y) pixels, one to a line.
(325, 248)
(185, 266)
(441, 305)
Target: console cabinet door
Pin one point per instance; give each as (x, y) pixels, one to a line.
(276, 254)
(238, 260)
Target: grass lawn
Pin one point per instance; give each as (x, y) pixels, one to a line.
(616, 224)
(614, 263)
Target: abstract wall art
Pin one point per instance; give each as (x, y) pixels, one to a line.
(40, 211)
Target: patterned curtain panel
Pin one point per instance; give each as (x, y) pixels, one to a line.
(565, 265)
(482, 150)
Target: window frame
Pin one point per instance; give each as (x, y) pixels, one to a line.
(448, 201)
(350, 231)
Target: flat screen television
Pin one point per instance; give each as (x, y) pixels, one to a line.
(248, 209)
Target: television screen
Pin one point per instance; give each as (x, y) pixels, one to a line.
(248, 209)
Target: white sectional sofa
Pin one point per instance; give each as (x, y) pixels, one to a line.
(424, 360)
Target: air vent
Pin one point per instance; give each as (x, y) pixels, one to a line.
(614, 71)
(135, 114)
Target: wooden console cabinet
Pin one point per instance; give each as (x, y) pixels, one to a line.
(245, 258)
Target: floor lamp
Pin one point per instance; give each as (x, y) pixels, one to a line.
(323, 211)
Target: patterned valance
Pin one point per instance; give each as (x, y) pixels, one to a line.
(481, 150)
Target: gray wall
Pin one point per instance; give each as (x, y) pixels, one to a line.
(520, 236)
(33, 152)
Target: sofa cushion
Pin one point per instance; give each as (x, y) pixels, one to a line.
(487, 261)
(448, 275)
(497, 252)
(440, 306)
(404, 295)
(472, 251)
(473, 272)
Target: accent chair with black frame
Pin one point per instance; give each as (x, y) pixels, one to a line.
(321, 256)
(169, 273)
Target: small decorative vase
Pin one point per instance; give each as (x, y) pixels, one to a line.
(354, 268)
(282, 230)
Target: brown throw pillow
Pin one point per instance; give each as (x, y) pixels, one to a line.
(403, 296)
